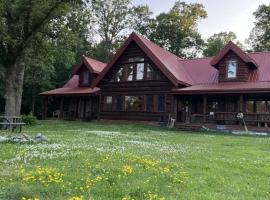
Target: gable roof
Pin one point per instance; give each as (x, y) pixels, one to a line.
(167, 62)
(239, 52)
(94, 66)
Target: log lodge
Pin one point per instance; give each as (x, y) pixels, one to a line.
(145, 82)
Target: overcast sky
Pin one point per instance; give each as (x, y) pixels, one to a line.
(223, 15)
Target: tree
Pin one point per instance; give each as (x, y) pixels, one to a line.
(20, 22)
(177, 29)
(217, 41)
(142, 19)
(259, 38)
(112, 18)
(60, 46)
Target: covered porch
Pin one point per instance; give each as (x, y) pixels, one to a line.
(71, 107)
(224, 109)
(71, 102)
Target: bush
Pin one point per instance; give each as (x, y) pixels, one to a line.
(30, 119)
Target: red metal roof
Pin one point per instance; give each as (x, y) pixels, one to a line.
(200, 71)
(164, 60)
(232, 47)
(71, 88)
(94, 66)
(225, 87)
(198, 75)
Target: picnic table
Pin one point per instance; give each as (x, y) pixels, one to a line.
(11, 123)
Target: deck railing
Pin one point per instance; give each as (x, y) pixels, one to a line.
(230, 117)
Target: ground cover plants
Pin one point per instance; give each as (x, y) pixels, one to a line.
(124, 161)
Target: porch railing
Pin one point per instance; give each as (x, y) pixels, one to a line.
(230, 117)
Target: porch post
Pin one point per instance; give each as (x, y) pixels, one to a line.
(241, 103)
(204, 107)
(174, 106)
(44, 105)
(61, 107)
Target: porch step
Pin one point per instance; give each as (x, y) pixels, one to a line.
(188, 127)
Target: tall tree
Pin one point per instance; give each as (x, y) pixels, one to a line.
(177, 29)
(217, 41)
(142, 19)
(259, 38)
(20, 22)
(111, 17)
(60, 45)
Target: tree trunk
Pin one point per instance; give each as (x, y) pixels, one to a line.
(14, 89)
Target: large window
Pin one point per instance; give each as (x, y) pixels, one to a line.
(257, 106)
(86, 77)
(137, 69)
(133, 103)
(130, 70)
(231, 69)
(108, 103)
(161, 103)
(250, 107)
(136, 59)
(118, 103)
(261, 106)
(120, 75)
(149, 103)
(149, 72)
(140, 71)
(139, 103)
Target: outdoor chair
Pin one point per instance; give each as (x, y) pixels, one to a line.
(56, 113)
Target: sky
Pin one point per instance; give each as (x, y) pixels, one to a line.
(223, 15)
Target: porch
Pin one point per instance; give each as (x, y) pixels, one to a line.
(71, 107)
(222, 109)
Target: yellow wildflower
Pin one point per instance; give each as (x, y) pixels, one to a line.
(127, 170)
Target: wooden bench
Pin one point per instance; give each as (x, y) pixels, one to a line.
(11, 123)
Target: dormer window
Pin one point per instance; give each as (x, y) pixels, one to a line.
(231, 69)
(86, 77)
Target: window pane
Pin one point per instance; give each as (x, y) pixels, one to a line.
(108, 103)
(268, 106)
(149, 72)
(140, 71)
(130, 72)
(136, 59)
(249, 106)
(161, 103)
(231, 69)
(149, 103)
(86, 76)
(260, 106)
(120, 75)
(118, 103)
(133, 103)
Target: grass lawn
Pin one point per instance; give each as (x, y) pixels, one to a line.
(102, 160)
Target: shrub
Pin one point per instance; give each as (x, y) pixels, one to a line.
(30, 119)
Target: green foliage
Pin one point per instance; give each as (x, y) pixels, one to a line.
(113, 20)
(217, 41)
(29, 120)
(104, 161)
(177, 29)
(259, 38)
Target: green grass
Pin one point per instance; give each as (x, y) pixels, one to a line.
(104, 160)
